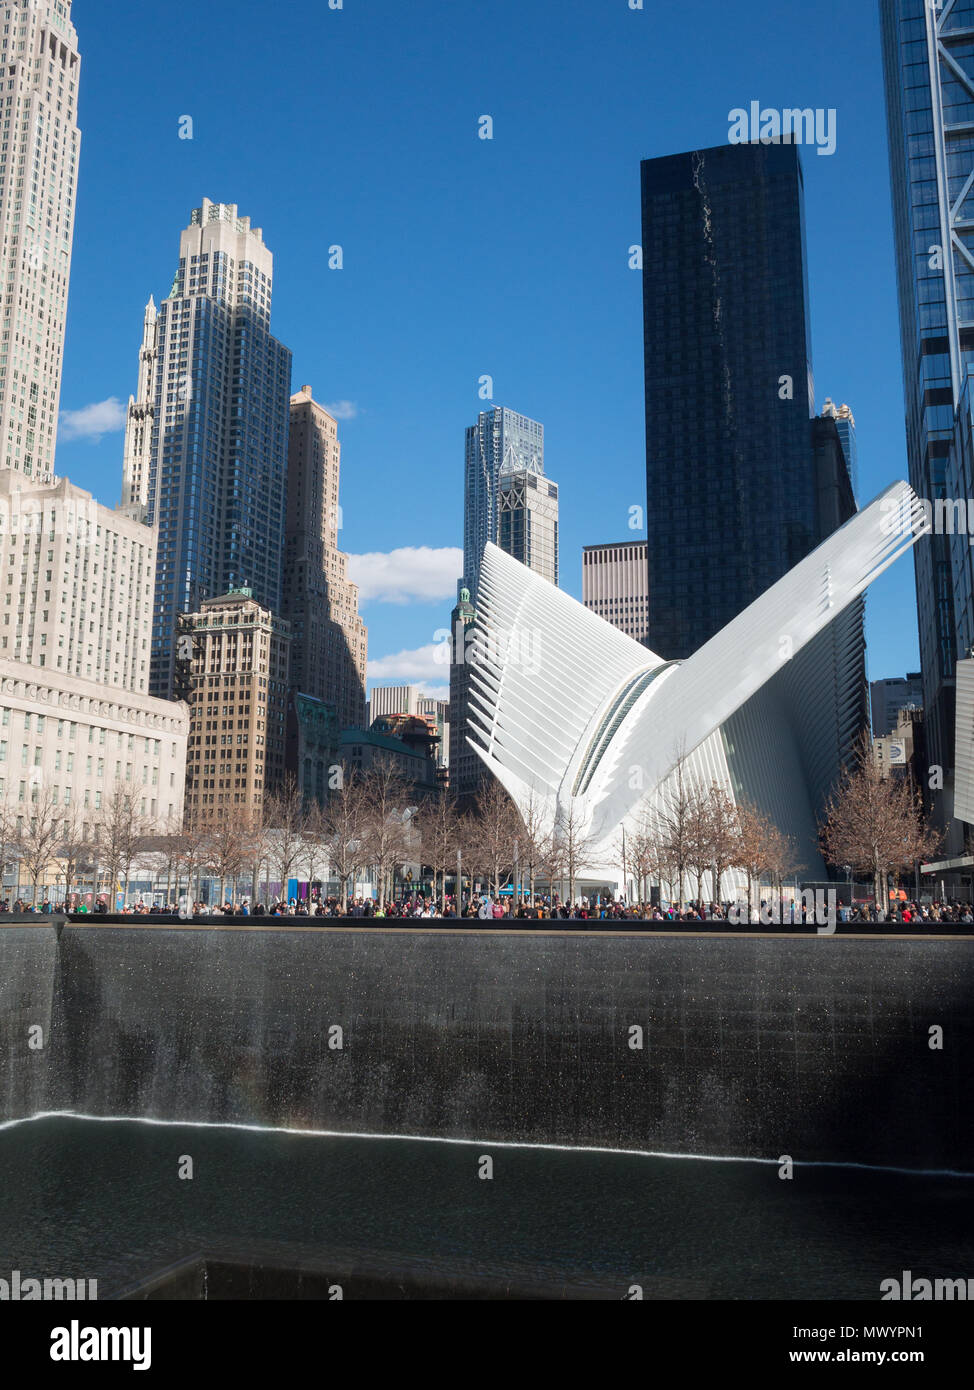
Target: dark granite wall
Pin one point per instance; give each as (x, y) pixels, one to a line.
(817, 1047)
(28, 982)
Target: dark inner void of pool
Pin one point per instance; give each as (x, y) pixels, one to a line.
(192, 1212)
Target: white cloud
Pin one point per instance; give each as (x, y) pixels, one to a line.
(435, 692)
(343, 410)
(413, 574)
(92, 421)
(428, 666)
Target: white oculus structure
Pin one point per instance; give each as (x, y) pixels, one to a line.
(583, 726)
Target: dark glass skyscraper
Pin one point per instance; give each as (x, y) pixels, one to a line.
(928, 59)
(731, 485)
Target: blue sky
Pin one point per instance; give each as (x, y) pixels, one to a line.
(465, 257)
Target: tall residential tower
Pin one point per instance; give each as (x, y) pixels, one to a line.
(508, 501)
(206, 443)
(500, 442)
(329, 642)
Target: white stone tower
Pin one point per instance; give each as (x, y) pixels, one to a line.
(39, 148)
(138, 423)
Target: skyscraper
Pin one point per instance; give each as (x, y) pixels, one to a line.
(500, 442)
(329, 642)
(137, 450)
(929, 69)
(38, 182)
(742, 481)
(615, 585)
(845, 424)
(527, 520)
(887, 697)
(731, 488)
(507, 500)
(393, 699)
(466, 769)
(235, 674)
(206, 442)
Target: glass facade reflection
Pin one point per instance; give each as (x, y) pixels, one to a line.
(928, 58)
(731, 488)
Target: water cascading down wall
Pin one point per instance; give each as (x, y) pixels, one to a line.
(822, 1048)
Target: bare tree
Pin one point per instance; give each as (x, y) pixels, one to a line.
(876, 825)
(782, 856)
(755, 849)
(226, 848)
(259, 841)
(642, 853)
(387, 795)
(550, 860)
(9, 840)
(723, 831)
(345, 830)
(496, 826)
(314, 850)
(574, 845)
(74, 844)
(167, 853)
(121, 831)
(440, 840)
(700, 856)
(285, 818)
(677, 815)
(192, 857)
(40, 835)
(534, 839)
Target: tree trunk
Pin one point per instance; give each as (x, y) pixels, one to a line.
(877, 888)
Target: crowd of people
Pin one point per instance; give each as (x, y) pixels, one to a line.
(498, 909)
